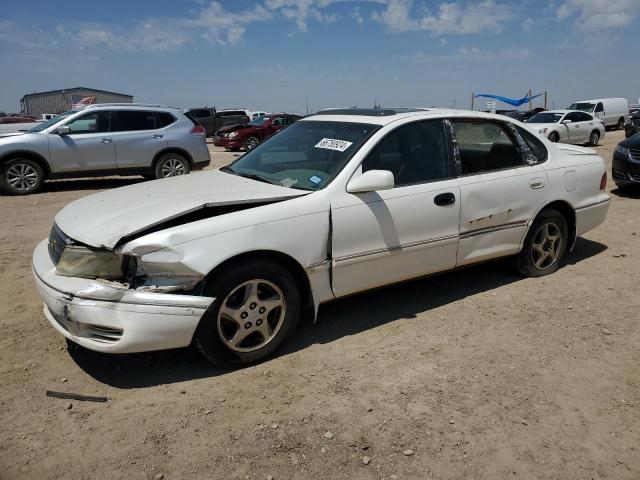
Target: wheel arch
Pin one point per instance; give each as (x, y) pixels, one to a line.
(36, 157)
(287, 261)
(178, 150)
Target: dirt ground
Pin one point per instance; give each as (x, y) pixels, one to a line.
(475, 374)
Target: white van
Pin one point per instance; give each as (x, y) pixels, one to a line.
(614, 112)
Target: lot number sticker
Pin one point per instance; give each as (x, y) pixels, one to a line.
(333, 144)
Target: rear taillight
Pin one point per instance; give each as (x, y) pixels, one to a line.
(603, 181)
(198, 130)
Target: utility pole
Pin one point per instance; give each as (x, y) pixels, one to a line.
(307, 103)
(473, 97)
(530, 101)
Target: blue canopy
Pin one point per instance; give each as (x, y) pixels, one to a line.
(511, 101)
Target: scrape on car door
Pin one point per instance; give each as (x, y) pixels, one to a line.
(411, 230)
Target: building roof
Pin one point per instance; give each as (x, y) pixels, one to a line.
(75, 88)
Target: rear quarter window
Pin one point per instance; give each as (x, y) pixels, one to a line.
(164, 119)
(536, 146)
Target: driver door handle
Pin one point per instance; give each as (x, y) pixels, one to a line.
(536, 183)
(106, 140)
(157, 136)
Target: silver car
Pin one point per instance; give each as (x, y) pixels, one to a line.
(105, 139)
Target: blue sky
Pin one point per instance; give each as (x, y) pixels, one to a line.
(273, 54)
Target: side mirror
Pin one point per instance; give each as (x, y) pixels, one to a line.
(566, 121)
(64, 130)
(371, 181)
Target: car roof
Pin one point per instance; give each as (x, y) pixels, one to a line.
(130, 106)
(387, 116)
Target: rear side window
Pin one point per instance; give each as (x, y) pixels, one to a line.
(133, 120)
(95, 122)
(232, 113)
(414, 153)
(164, 119)
(535, 144)
(485, 147)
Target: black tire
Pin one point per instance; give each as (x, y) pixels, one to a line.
(21, 176)
(171, 165)
(234, 149)
(525, 259)
(594, 138)
(212, 341)
(251, 142)
(554, 137)
(620, 124)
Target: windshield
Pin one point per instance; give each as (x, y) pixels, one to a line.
(306, 155)
(258, 121)
(585, 107)
(44, 125)
(546, 117)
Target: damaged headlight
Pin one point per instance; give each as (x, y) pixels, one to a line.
(83, 262)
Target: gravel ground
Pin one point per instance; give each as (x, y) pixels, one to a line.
(471, 374)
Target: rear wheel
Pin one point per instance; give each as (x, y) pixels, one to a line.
(171, 165)
(21, 176)
(594, 138)
(256, 309)
(620, 124)
(251, 142)
(545, 245)
(554, 137)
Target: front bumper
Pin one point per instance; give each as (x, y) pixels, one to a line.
(227, 142)
(624, 171)
(106, 317)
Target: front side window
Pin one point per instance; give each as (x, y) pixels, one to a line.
(485, 147)
(583, 117)
(133, 120)
(277, 122)
(95, 122)
(573, 116)
(414, 153)
(584, 106)
(600, 108)
(307, 155)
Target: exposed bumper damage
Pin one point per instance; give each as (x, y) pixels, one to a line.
(111, 317)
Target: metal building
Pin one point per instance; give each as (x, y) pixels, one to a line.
(58, 101)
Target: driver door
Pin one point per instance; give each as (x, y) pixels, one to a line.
(88, 147)
(411, 230)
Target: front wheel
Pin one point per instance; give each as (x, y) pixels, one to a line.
(554, 137)
(171, 165)
(620, 124)
(21, 176)
(545, 245)
(256, 309)
(251, 142)
(594, 138)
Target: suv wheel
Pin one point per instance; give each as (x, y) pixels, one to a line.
(21, 176)
(171, 165)
(554, 137)
(256, 309)
(545, 245)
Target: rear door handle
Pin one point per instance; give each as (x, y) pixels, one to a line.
(444, 199)
(536, 183)
(157, 136)
(106, 140)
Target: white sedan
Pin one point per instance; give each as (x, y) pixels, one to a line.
(568, 126)
(338, 203)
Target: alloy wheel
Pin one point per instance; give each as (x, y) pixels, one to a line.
(252, 142)
(251, 315)
(173, 167)
(22, 177)
(546, 246)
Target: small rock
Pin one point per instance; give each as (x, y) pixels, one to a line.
(323, 450)
(328, 435)
(63, 380)
(159, 476)
(69, 406)
(370, 409)
(524, 421)
(452, 421)
(408, 452)
(221, 400)
(274, 426)
(207, 412)
(183, 391)
(269, 477)
(606, 332)
(366, 460)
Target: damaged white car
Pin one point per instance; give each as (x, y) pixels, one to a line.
(338, 203)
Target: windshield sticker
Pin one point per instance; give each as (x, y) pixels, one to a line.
(333, 144)
(316, 179)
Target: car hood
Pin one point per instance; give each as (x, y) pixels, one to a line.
(232, 128)
(540, 126)
(11, 134)
(101, 220)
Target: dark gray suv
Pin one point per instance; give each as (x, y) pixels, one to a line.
(104, 139)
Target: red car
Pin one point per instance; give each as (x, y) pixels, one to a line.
(249, 135)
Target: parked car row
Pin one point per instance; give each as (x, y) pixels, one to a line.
(247, 136)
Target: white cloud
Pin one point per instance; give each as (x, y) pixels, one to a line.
(302, 10)
(599, 14)
(469, 55)
(449, 18)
